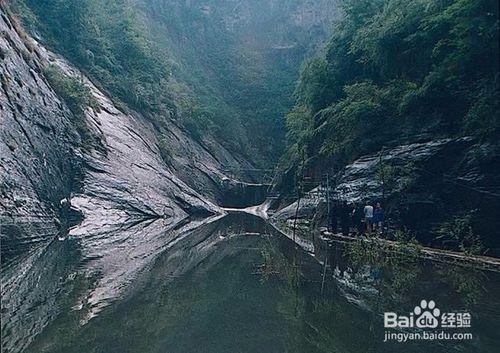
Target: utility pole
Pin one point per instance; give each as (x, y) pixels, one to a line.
(328, 197)
(324, 272)
(382, 174)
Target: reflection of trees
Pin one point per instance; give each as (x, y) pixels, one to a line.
(324, 338)
(393, 271)
(397, 272)
(277, 266)
(286, 273)
(469, 284)
(325, 322)
(309, 316)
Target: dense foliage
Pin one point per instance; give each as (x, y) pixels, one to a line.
(219, 70)
(235, 93)
(77, 97)
(103, 39)
(240, 59)
(398, 71)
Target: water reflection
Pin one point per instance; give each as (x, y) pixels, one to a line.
(237, 285)
(35, 290)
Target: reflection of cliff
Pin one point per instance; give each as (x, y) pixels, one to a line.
(121, 201)
(203, 283)
(31, 297)
(130, 204)
(84, 275)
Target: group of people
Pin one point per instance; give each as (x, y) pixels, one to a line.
(361, 218)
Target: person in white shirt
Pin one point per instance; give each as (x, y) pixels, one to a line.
(368, 210)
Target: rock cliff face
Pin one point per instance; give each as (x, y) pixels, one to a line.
(39, 164)
(426, 184)
(422, 185)
(43, 162)
(114, 204)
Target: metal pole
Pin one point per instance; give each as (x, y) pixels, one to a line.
(324, 272)
(328, 194)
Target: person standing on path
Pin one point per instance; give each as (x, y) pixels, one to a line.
(357, 218)
(378, 217)
(333, 216)
(368, 210)
(345, 218)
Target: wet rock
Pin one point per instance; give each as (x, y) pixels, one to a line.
(38, 163)
(422, 185)
(44, 162)
(377, 176)
(303, 209)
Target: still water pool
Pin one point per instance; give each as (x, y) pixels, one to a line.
(237, 285)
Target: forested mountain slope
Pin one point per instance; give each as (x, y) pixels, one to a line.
(395, 74)
(223, 68)
(241, 59)
(397, 71)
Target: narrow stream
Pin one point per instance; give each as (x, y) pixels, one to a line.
(237, 285)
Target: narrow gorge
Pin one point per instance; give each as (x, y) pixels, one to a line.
(195, 175)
